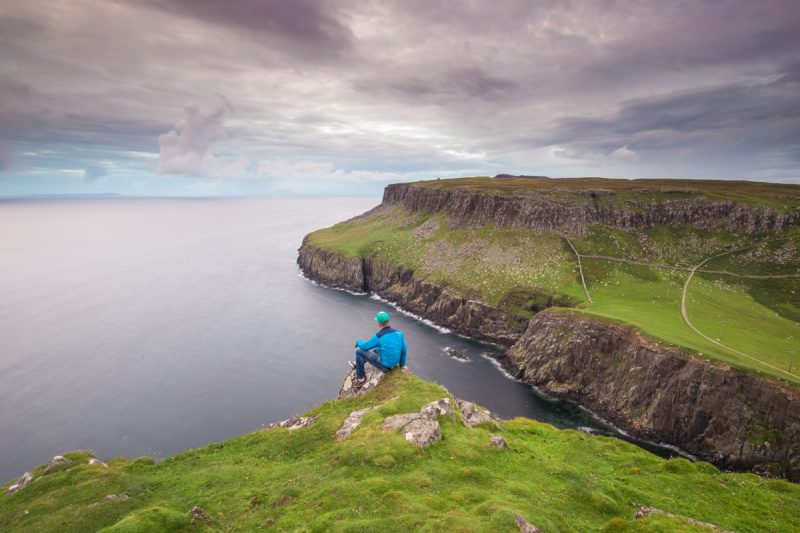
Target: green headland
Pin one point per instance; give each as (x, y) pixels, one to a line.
(307, 480)
(742, 304)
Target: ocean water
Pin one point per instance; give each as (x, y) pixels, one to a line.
(150, 326)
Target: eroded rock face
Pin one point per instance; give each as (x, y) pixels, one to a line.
(573, 213)
(731, 418)
(350, 389)
(462, 315)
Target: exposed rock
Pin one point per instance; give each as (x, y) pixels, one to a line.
(400, 421)
(197, 512)
(97, 462)
(294, 423)
(643, 512)
(731, 418)
(457, 355)
(472, 415)
(498, 441)
(415, 427)
(525, 526)
(115, 497)
(572, 212)
(350, 389)
(55, 464)
(468, 317)
(352, 421)
(422, 432)
(436, 409)
(24, 479)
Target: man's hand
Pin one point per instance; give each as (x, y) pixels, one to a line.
(406, 370)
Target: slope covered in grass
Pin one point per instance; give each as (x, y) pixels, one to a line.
(374, 480)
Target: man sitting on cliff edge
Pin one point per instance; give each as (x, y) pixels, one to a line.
(384, 350)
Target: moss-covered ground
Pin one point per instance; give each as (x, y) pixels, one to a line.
(306, 480)
(524, 271)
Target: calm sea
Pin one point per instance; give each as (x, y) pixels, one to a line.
(149, 326)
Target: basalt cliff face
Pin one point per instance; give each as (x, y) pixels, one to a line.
(654, 391)
(468, 317)
(731, 418)
(572, 214)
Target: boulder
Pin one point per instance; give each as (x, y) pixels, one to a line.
(400, 421)
(436, 409)
(24, 479)
(350, 389)
(472, 415)
(422, 432)
(97, 462)
(498, 441)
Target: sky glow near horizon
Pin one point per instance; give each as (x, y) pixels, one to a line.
(201, 97)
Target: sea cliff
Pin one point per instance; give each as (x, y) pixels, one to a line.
(731, 417)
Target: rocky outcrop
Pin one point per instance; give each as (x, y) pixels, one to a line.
(20, 484)
(468, 317)
(732, 418)
(572, 212)
(350, 388)
(352, 421)
(294, 423)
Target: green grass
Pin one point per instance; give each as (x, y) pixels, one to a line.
(375, 481)
(523, 271)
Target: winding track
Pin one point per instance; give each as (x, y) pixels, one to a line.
(692, 270)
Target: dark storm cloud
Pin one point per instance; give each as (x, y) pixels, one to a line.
(419, 88)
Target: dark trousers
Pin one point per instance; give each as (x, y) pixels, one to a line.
(368, 356)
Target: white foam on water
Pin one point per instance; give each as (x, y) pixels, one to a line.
(464, 359)
(348, 291)
(440, 329)
(499, 366)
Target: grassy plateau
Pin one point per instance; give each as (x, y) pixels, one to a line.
(373, 480)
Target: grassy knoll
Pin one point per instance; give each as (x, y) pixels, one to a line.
(374, 480)
(524, 271)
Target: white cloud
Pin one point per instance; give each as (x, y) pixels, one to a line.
(186, 149)
(623, 152)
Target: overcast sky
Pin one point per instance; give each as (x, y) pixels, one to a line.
(202, 97)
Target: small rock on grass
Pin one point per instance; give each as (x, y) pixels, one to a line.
(97, 462)
(197, 511)
(525, 526)
(352, 422)
(294, 423)
(498, 441)
(24, 479)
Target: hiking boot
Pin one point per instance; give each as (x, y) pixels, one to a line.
(359, 382)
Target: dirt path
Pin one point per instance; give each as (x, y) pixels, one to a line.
(580, 269)
(685, 316)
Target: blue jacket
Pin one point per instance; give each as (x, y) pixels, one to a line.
(390, 344)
